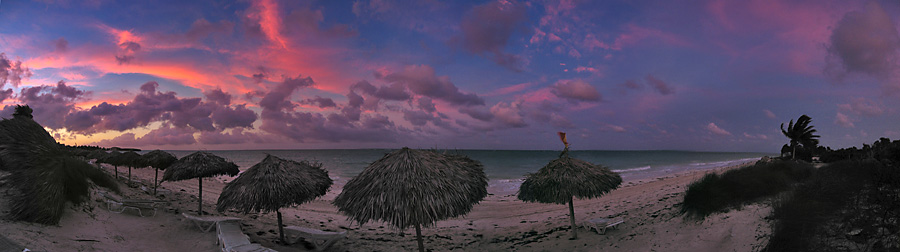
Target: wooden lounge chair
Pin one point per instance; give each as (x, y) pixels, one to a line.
(232, 239)
(206, 223)
(601, 224)
(321, 240)
(114, 202)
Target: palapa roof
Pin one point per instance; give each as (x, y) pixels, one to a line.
(43, 175)
(199, 164)
(567, 177)
(274, 183)
(129, 158)
(159, 159)
(97, 154)
(409, 187)
(22, 138)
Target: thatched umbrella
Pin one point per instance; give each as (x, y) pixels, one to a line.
(44, 176)
(112, 158)
(131, 159)
(199, 165)
(159, 160)
(274, 183)
(566, 178)
(414, 188)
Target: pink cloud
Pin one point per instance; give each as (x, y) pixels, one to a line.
(510, 89)
(843, 120)
(635, 34)
(713, 128)
(509, 114)
(576, 91)
(769, 113)
(862, 106)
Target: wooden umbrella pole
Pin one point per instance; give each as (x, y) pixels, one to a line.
(200, 197)
(280, 228)
(572, 218)
(419, 238)
(129, 176)
(155, 180)
(116, 167)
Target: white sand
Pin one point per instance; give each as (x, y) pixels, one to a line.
(499, 223)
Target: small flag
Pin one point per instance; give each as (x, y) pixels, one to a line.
(562, 136)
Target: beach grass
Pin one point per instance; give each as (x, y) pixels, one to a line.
(718, 193)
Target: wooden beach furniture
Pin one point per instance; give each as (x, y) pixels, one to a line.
(117, 204)
(206, 223)
(321, 240)
(601, 224)
(232, 239)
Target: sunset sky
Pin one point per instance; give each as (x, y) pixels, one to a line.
(615, 75)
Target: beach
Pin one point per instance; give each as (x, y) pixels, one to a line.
(649, 207)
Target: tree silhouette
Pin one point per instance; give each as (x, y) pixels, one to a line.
(22, 111)
(800, 133)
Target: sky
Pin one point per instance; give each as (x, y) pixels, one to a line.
(615, 75)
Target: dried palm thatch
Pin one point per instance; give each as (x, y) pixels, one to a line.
(199, 165)
(43, 190)
(566, 178)
(97, 154)
(130, 159)
(274, 183)
(22, 138)
(414, 188)
(159, 160)
(112, 158)
(44, 175)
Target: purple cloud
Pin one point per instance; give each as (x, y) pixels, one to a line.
(864, 42)
(426, 104)
(418, 117)
(61, 45)
(279, 118)
(218, 96)
(322, 102)
(575, 91)
(509, 114)
(422, 80)
(51, 104)
(478, 113)
(277, 99)
(487, 28)
(660, 86)
(12, 71)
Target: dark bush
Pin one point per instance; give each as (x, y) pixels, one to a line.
(734, 188)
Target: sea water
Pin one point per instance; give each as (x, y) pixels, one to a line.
(506, 168)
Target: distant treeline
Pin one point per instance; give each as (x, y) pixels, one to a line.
(94, 147)
(881, 150)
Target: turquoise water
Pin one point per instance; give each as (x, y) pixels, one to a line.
(505, 168)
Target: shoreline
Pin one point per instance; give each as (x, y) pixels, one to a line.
(499, 222)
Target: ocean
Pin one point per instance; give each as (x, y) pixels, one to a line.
(506, 168)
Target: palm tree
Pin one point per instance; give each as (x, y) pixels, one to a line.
(800, 133)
